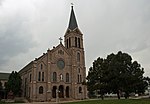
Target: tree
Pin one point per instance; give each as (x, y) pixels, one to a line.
(92, 77)
(117, 73)
(1, 87)
(97, 79)
(14, 83)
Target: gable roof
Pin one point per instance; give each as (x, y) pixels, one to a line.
(61, 45)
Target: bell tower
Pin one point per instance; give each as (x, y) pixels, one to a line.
(73, 36)
(73, 40)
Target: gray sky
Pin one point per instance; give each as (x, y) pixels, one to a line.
(29, 27)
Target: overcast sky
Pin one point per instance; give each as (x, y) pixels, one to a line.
(29, 27)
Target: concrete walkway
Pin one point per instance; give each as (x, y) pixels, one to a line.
(60, 102)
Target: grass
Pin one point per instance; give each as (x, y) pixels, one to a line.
(1, 102)
(129, 101)
(123, 101)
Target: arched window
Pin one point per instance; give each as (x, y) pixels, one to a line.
(41, 66)
(78, 56)
(54, 76)
(30, 77)
(54, 91)
(67, 77)
(67, 91)
(78, 70)
(39, 76)
(79, 42)
(80, 89)
(42, 76)
(78, 78)
(40, 90)
(69, 42)
(76, 44)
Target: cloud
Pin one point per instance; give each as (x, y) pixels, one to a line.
(1, 2)
(114, 26)
(29, 27)
(15, 36)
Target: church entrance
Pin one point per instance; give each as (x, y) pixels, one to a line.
(54, 91)
(61, 91)
(67, 91)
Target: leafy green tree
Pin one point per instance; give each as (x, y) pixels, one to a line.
(1, 85)
(97, 79)
(14, 83)
(117, 73)
(92, 77)
(138, 81)
(118, 68)
(0, 89)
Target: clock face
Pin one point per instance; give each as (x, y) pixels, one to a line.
(60, 64)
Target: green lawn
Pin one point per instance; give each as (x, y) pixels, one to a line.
(11, 103)
(1, 102)
(140, 101)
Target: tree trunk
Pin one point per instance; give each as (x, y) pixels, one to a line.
(118, 94)
(126, 95)
(102, 96)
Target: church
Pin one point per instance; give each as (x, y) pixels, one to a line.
(60, 72)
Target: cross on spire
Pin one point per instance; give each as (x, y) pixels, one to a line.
(60, 39)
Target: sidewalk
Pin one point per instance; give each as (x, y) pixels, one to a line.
(60, 102)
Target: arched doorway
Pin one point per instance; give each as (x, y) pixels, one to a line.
(54, 91)
(61, 91)
(80, 89)
(67, 91)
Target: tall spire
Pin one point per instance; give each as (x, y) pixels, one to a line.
(72, 22)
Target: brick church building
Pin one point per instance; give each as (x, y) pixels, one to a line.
(60, 72)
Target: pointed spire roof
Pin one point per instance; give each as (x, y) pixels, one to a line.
(72, 22)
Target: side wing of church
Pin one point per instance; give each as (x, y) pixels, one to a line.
(60, 72)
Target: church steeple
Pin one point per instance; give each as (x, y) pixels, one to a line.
(72, 23)
(73, 36)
